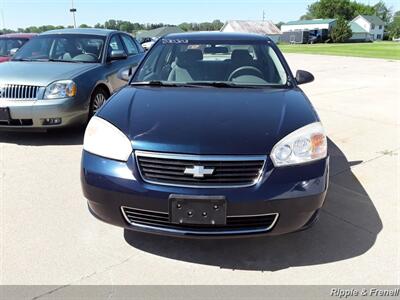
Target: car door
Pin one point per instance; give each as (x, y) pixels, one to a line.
(113, 67)
(133, 49)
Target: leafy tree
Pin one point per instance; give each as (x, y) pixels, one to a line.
(362, 9)
(332, 9)
(5, 31)
(217, 24)
(307, 16)
(205, 26)
(279, 24)
(383, 12)
(341, 32)
(394, 26)
(126, 26)
(111, 24)
(337, 9)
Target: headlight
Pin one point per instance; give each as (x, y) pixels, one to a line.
(104, 139)
(301, 146)
(60, 89)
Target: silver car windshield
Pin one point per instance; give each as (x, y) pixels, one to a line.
(68, 48)
(196, 62)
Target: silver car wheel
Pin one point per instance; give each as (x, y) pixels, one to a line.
(99, 100)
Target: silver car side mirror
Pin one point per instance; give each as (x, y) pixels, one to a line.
(126, 74)
(13, 51)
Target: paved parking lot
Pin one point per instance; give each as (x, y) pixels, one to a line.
(49, 237)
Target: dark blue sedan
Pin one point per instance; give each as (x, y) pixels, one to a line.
(212, 137)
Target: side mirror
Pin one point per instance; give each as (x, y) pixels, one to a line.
(125, 74)
(13, 51)
(304, 77)
(117, 55)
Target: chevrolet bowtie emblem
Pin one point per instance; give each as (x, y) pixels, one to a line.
(198, 171)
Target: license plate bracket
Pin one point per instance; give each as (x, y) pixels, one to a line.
(198, 210)
(5, 114)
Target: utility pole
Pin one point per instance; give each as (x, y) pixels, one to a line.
(73, 11)
(3, 22)
(263, 15)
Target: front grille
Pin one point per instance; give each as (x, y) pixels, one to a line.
(136, 216)
(182, 170)
(19, 92)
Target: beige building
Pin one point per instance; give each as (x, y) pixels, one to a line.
(259, 27)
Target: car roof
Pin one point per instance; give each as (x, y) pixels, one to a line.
(217, 36)
(89, 31)
(18, 35)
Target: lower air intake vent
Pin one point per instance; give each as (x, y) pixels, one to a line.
(136, 216)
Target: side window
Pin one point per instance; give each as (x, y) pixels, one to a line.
(115, 44)
(130, 45)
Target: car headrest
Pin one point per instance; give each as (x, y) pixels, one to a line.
(241, 56)
(188, 57)
(216, 50)
(92, 49)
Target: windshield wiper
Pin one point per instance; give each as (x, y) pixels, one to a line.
(62, 60)
(44, 60)
(22, 59)
(224, 84)
(220, 84)
(162, 83)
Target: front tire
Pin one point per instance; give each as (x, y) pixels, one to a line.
(98, 98)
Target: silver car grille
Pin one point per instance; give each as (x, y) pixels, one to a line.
(18, 92)
(200, 171)
(234, 224)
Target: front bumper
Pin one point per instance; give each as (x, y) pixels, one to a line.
(295, 194)
(33, 113)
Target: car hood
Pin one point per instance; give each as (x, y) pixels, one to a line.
(208, 120)
(40, 73)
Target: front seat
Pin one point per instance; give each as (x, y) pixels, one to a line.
(240, 58)
(70, 51)
(187, 67)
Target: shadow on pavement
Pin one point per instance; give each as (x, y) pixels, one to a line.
(348, 227)
(67, 136)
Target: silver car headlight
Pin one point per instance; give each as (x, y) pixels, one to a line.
(303, 145)
(61, 89)
(104, 139)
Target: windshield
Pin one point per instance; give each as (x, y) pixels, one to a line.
(68, 48)
(7, 44)
(197, 62)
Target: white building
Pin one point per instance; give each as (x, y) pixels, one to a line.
(359, 34)
(315, 24)
(373, 25)
(260, 27)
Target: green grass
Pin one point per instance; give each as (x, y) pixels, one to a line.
(386, 50)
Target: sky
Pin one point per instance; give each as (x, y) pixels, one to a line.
(23, 13)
